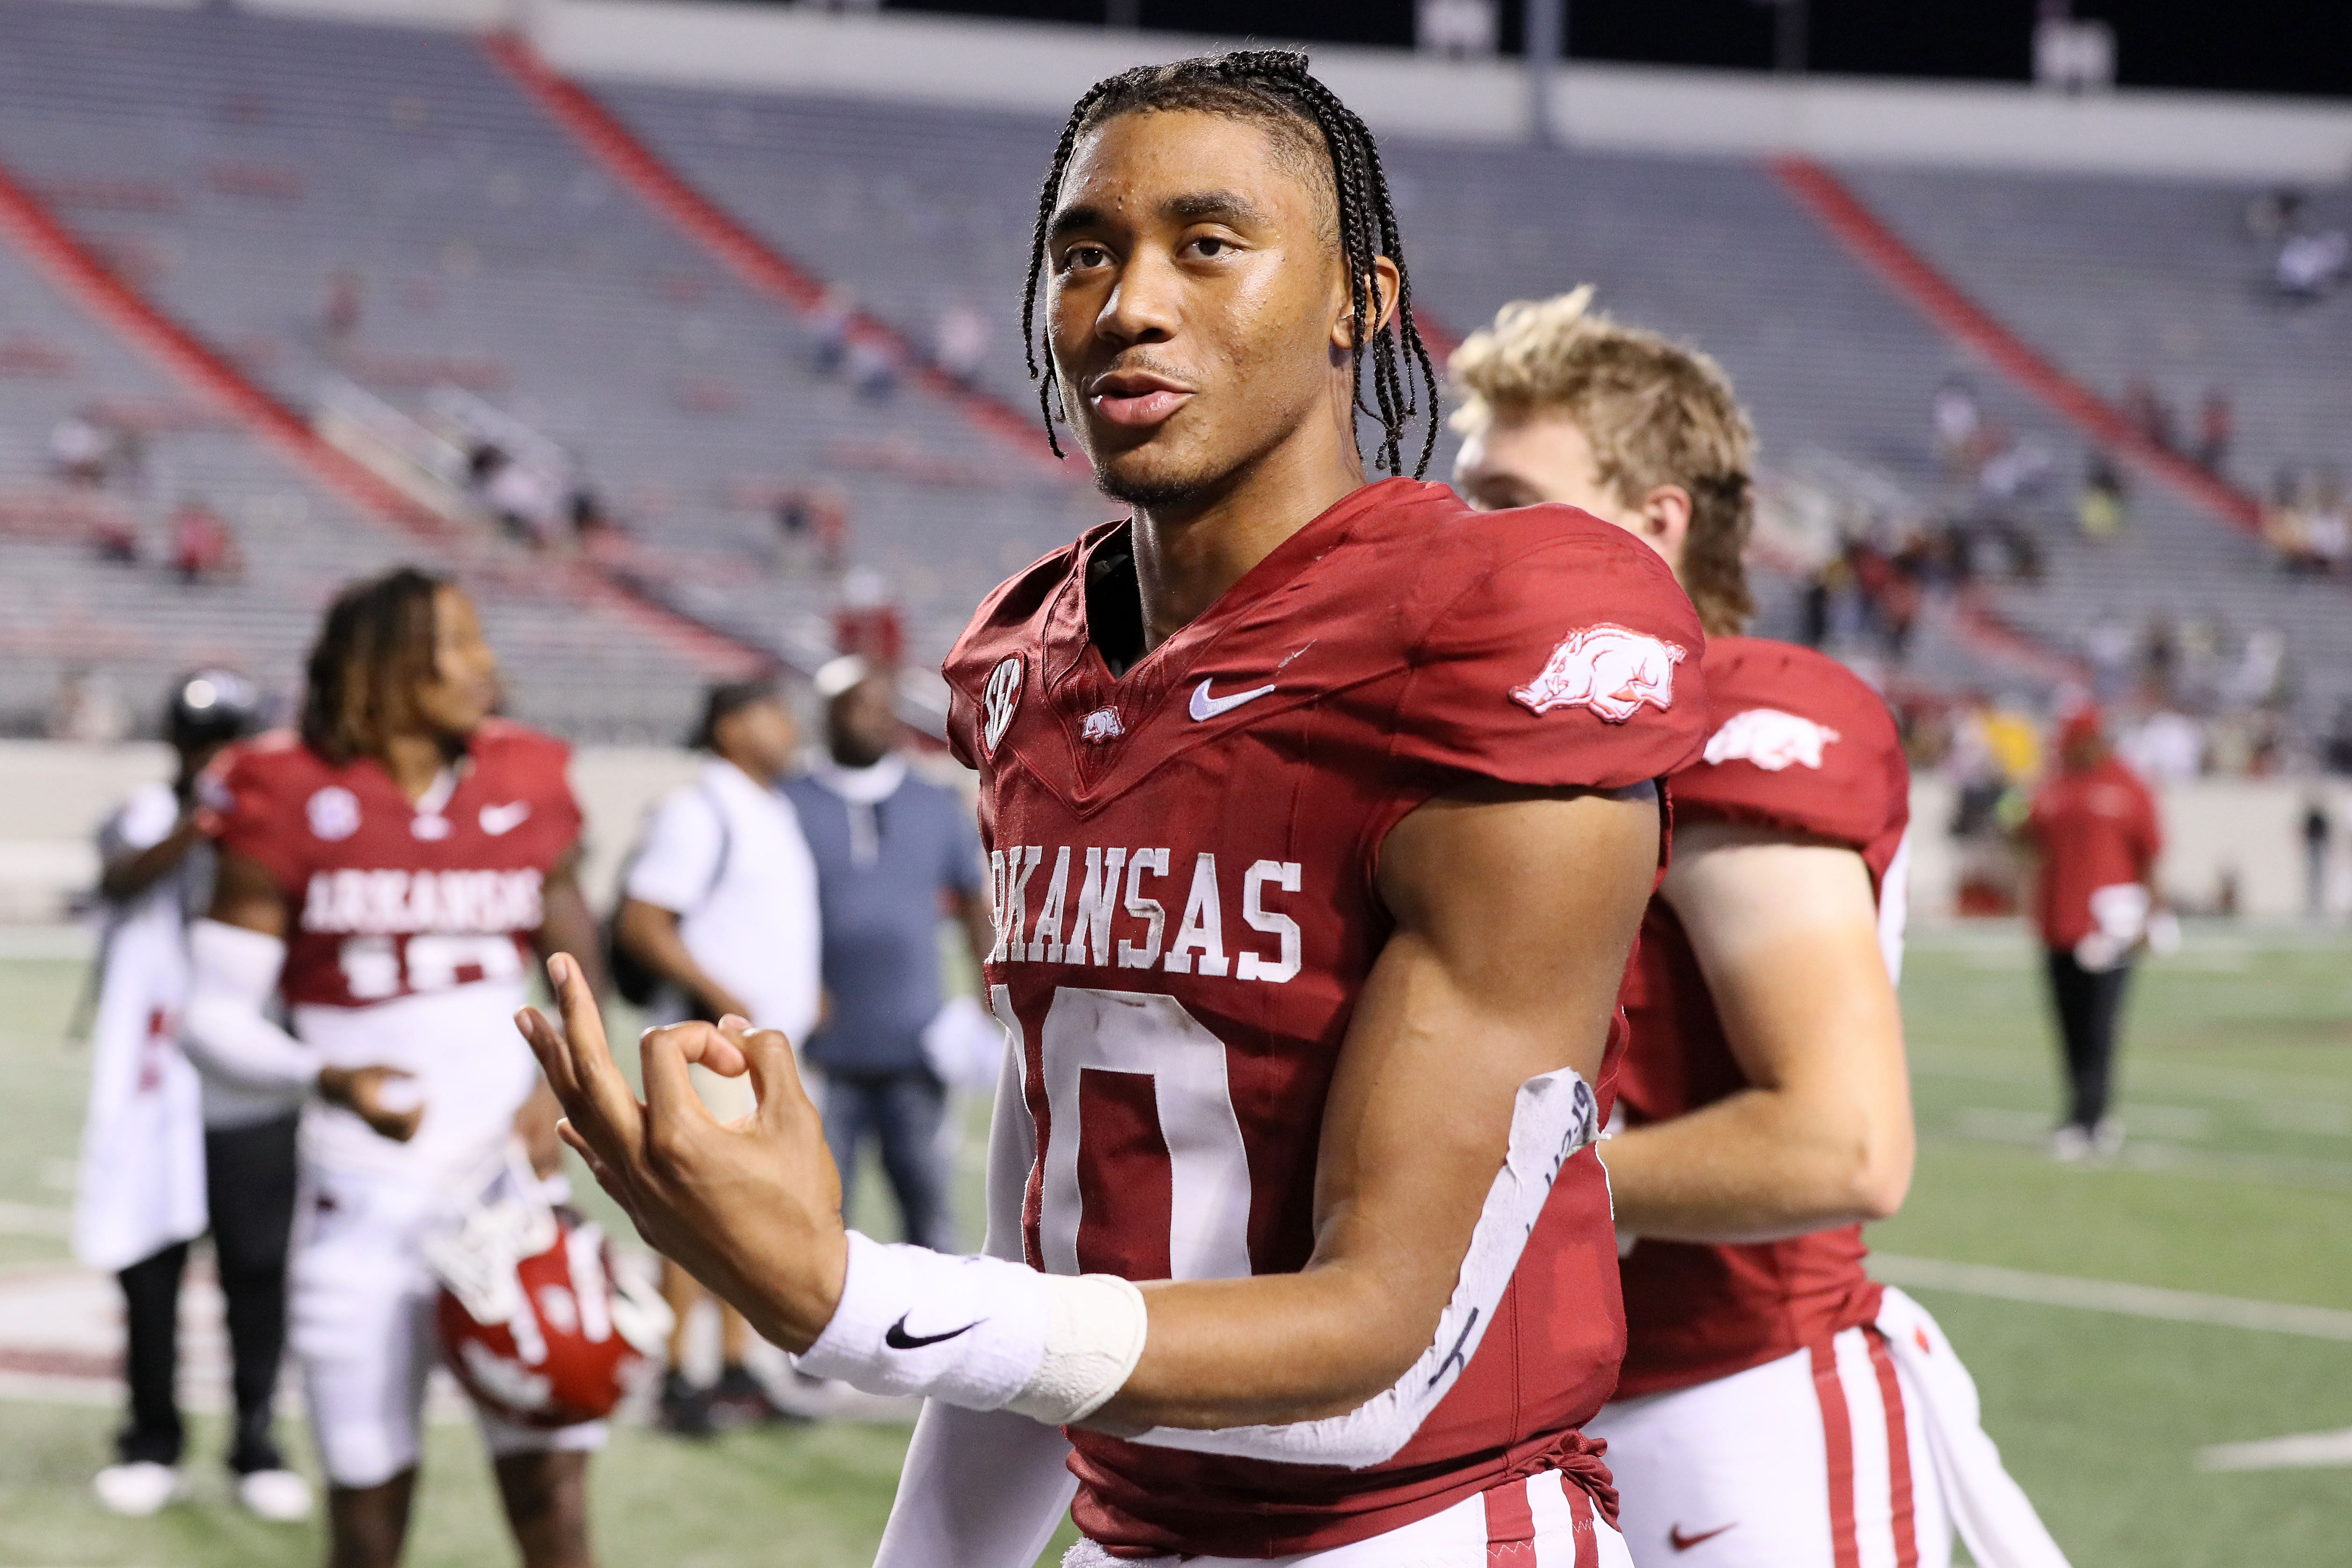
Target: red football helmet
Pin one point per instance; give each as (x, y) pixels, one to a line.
(534, 1321)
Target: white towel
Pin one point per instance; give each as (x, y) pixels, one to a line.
(142, 1185)
(1992, 1512)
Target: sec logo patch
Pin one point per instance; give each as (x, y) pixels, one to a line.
(1003, 697)
(334, 813)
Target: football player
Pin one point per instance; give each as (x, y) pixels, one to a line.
(1776, 1406)
(1290, 783)
(383, 871)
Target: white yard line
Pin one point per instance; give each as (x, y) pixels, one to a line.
(2111, 1296)
(2304, 1451)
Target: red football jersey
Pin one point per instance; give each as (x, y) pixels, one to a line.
(1182, 864)
(408, 923)
(2095, 830)
(1798, 742)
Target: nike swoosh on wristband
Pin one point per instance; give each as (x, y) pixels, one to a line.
(899, 1338)
(1681, 1542)
(1206, 707)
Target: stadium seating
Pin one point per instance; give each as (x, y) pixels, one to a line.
(235, 166)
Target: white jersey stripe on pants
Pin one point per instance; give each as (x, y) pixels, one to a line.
(1541, 1522)
(1810, 1461)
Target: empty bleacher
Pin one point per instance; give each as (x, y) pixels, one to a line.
(244, 171)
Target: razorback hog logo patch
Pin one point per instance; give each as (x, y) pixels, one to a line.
(1771, 739)
(1609, 669)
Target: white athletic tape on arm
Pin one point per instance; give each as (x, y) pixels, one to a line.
(1553, 1119)
(980, 1332)
(234, 974)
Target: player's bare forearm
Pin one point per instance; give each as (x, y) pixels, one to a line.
(650, 933)
(565, 922)
(1786, 934)
(130, 874)
(1516, 913)
(246, 895)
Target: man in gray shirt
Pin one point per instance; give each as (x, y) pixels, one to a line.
(895, 855)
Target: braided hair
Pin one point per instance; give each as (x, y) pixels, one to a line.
(1272, 87)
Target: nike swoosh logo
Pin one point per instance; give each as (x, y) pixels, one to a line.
(1206, 707)
(500, 820)
(899, 1338)
(1681, 1542)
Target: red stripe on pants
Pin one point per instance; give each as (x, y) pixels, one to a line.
(1898, 1452)
(1837, 1440)
(1510, 1527)
(1580, 1508)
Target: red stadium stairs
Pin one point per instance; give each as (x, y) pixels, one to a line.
(1912, 277)
(727, 240)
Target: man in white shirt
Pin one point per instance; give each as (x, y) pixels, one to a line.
(720, 906)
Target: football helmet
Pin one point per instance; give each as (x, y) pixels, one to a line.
(534, 1321)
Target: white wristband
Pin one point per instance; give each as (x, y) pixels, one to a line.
(980, 1332)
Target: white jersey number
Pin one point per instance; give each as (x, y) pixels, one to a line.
(1150, 1034)
(373, 965)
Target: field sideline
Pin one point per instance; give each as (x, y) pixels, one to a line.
(2236, 1189)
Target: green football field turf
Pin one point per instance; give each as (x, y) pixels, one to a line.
(2237, 1184)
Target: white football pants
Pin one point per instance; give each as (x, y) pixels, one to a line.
(1541, 1522)
(1865, 1452)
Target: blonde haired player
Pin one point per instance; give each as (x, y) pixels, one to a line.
(1776, 1406)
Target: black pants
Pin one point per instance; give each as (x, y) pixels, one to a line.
(2089, 1002)
(249, 1186)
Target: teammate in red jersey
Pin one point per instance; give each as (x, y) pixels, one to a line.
(1289, 784)
(1776, 1408)
(381, 871)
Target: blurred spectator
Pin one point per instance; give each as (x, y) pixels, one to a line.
(2164, 747)
(2216, 427)
(873, 372)
(174, 1144)
(719, 910)
(866, 622)
(961, 343)
(2335, 751)
(2012, 469)
(2310, 265)
(202, 545)
(829, 328)
(2328, 527)
(529, 502)
(591, 523)
(895, 854)
(2100, 509)
(1958, 421)
(2318, 833)
(2148, 413)
(339, 318)
(2270, 214)
(115, 540)
(2095, 830)
(83, 448)
(815, 516)
(87, 708)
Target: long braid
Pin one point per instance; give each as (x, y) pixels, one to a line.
(1273, 86)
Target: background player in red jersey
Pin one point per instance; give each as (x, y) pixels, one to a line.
(1290, 783)
(1776, 1408)
(383, 870)
(2097, 833)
